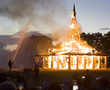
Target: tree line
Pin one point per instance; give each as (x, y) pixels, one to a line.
(99, 41)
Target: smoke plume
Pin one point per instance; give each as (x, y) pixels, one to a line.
(47, 16)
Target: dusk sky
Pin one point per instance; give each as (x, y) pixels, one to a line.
(50, 16)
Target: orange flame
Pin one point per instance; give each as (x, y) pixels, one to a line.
(75, 45)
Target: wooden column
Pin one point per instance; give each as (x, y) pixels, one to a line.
(57, 62)
(77, 58)
(99, 62)
(93, 62)
(105, 62)
(85, 62)
(69, 62)
(52, 62)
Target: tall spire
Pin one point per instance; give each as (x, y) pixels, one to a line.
(74, 21)
(74, 10)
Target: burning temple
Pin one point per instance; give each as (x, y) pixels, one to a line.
(75, 53)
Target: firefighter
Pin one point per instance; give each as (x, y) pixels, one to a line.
(36, 66)
(10, 63)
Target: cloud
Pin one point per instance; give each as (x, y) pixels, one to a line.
(21, 8)
(47, 16)
(105, 28)
(10, 47)
(7, 26)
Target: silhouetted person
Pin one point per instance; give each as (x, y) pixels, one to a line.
(10, 65)
(36, 66)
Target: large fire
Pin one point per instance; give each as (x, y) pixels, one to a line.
(75, 53)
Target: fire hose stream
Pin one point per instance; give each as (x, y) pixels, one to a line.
(21, 39)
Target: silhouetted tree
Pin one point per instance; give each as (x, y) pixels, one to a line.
(99, 41)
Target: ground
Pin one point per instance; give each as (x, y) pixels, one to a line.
(32, 80)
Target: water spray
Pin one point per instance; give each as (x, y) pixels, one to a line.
(21, 39)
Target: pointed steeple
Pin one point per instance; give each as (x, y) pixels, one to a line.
(74, 10)
(74, 21)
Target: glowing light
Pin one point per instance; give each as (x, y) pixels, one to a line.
(75, 87)
(81, 62)
(72, 26)
(83, 77)
(55, 62)
(74, 45)
(49, 61)
(74, 62)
